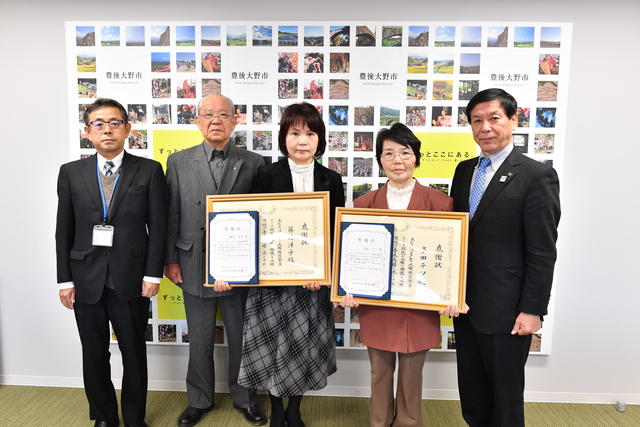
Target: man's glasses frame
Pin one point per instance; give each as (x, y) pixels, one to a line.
(100, 125)
(222, 115)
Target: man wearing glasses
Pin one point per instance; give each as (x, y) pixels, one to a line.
(110, 236)
(213, 167)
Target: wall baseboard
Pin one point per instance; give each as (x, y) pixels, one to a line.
(443, 394)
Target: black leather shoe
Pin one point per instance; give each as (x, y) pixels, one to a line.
(138, 425)
(295, 423)
(253, 414)
(192, 416)
(276, 423)
(106, 424)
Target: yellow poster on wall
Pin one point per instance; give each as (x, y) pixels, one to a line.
(167, 142)
(440, 153)
(170, 302)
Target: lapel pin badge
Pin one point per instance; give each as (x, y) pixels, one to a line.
(503, 178)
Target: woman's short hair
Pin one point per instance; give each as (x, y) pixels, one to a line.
(302, 113)
(402, 135)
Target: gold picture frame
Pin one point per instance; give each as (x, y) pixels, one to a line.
(293, 246)
(429, 268)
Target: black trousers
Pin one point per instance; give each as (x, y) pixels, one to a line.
(129, 320)
(490, 375)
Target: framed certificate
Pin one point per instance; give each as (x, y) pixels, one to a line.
(292, 236)
(427, 259)
(365, 259)
(233, 247)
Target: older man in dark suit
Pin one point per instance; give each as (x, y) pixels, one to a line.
(110, 237)
(213, 167)
(514, 206)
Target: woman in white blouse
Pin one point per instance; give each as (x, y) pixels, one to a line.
(389, 332)
(289, 342)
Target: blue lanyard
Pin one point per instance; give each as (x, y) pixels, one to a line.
(105, 208)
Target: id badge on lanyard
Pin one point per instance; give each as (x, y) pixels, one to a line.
(103, 233)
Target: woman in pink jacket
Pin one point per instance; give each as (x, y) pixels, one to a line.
(390, 331)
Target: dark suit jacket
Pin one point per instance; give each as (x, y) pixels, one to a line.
(276, 178)
(190, 181)
(138, 214)
(512, 241)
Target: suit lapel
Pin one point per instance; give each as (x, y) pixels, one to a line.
(202, 171)
(419, 199)
(320, 178)
(380, 198)
(230, 170)
(463, 190)
(90, 178)
(503, 176)
(128, 171)
(280, 177)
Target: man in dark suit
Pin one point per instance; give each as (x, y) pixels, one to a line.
(514, 206)
(214, 167)
(110, 237)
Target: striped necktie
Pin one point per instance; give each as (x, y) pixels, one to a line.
(108, 166)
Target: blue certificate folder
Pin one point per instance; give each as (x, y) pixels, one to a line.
(343, 243)
(254, 279)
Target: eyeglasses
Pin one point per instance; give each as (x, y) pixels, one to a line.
(222, 115)
(113, 124)
(390, 155)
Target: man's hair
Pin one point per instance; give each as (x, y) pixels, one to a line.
(101, 103)
(233, 107)
(402, 135)
(507, 102)
(302, 113)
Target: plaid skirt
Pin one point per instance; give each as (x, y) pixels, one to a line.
(288, 344)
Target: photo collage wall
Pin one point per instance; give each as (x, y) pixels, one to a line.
(361, 76)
